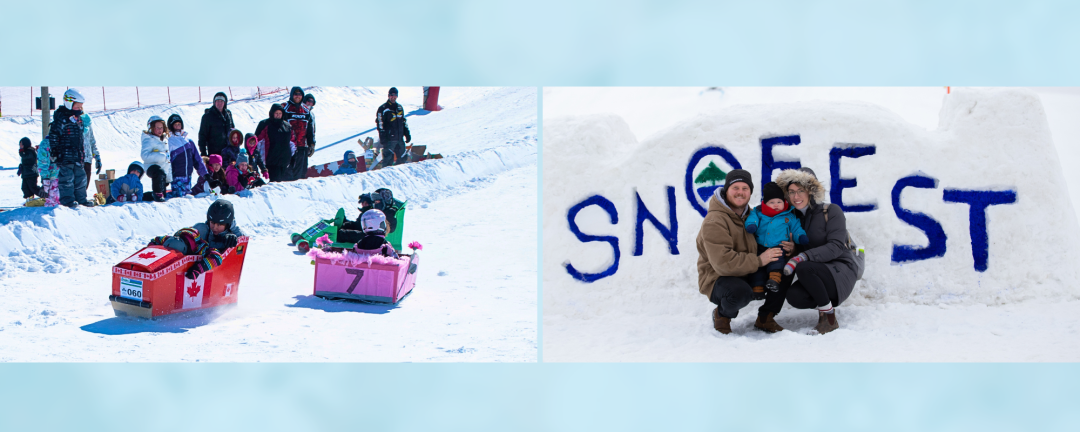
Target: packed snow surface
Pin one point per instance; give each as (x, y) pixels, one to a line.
(474, 212)
(940, 308)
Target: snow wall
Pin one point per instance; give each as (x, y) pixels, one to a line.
(974, 212)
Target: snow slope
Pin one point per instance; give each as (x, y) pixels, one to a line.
(649, 309)
(55, 263)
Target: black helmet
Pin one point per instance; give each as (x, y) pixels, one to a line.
(174, 119)
(220, 212)
(385, 198)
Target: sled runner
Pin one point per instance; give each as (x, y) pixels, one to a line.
(368, 278)
(151, 283)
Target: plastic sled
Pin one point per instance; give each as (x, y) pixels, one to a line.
(151, 283)
(328, 169)
(379, 280)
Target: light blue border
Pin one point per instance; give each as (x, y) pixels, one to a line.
(555, 43)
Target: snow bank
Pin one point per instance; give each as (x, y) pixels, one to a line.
(42, 239)
(990, 145)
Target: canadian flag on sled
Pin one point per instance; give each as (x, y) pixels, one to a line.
(147, 256)
(191, 293)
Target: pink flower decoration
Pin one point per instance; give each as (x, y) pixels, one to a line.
(324, 240)
(416, 246)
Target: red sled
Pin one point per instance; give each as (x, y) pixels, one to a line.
(151, 283)
(374, 278)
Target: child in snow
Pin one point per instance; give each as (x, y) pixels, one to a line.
(349, 164)
(208, 240)
(184, 156)
(229, 153)
(255, 155)
(28, 169)
(239, 177)
(374, 235)
(214, 179)
(771, 223)
(129, 187)
(155, 154)
(50, 184)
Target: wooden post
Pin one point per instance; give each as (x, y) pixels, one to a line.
(169, 92)
(103, 106)
(138, 104)
(44, 112)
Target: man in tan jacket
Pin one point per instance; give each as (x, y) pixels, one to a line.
(727, 254)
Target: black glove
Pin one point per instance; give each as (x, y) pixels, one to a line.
(229, 240)
(97, 164)
(310, 150)
(408, 139)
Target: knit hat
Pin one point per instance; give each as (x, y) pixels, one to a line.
(215, 159)
(242, 157)
(24, 143)
(739, 175)
(771, 190)
(393, 91)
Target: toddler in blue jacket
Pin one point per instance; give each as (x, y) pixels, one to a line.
(771, 223)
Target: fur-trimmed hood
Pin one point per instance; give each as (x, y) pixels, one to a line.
(805, 180)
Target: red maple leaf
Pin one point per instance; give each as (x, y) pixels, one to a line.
(147, 255)
(193, 290)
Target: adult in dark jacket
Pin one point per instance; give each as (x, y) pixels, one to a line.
(303, 132)
(728, 255)
(393, 132)
(28, 169)
(68, 150)
(274, 135)
(825, 266)
(214, 129)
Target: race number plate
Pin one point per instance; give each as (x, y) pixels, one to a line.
(131, 288)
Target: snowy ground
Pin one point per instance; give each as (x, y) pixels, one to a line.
(475, 298)
(657, 315)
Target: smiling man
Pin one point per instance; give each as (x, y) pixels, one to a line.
(727, 255)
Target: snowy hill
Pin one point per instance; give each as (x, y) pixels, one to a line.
(55, 262)
(989, 168)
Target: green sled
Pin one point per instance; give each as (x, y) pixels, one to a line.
(304, 240)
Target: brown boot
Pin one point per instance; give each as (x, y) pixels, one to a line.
(826, 322)
(758, 293)
(767, 324)
(721, 324)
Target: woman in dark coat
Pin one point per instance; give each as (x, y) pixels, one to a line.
(825, 266)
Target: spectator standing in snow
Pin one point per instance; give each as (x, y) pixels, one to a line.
(274, 135)
(825, 265)
(228, 154)
(184, 157)
(216, 123)
(28, 169)
(303, 133)
(129, 187)
(728, 255)
(207, 240)
(393, 132)
(91, 151)
(49, 173)
(67, 148)
(155, 154)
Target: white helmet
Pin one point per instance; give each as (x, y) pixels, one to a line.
(373, 220)
(71, 96)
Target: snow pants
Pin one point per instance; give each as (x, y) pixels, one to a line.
(30, 186)
(278, 173)
(180, 186)
(815, 287)
(50, 188)
(393, 153)
(299, 164)
(72, 184)
(732, 293)
(157, 178)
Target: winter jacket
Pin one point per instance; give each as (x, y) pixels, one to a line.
(46, 166)
(255, 153)
(66, 137)
(28, 165)
(390, 120)
(216, 180)
(771, 230)
(229, 153)
(129, 186)
(346, 167)
(724, 247)
(375, 244)
(183, 156)
(303, 125)
(828, 244)
(89, 142)
(214, 128)
(274, 137)
(217, 241)
(155, 151)
(236, 179)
